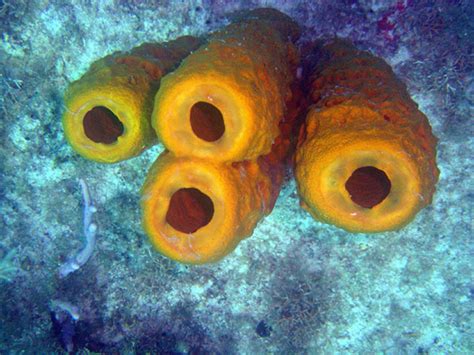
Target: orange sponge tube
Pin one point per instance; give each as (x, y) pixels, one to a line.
(227, 98)
(107, 116)
(366, 157)
(196, 211)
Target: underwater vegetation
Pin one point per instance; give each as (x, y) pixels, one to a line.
(80, 272)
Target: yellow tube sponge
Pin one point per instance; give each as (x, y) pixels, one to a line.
(366, 157)
(226, 99)
(197, 211)
(107, 115)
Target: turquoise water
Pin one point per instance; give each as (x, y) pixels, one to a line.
(296, 285)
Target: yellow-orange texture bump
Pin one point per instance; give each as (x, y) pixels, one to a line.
(366, 157)
(226, 99)
(108, 110)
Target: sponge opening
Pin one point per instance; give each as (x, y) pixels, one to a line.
(368, 186)
(189, 210)
(207, 121)
(102, 126)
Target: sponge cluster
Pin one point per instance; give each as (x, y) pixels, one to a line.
(228, 109)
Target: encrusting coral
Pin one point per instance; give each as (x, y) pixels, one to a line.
(107, 115)
(229, 117)
(366, 157)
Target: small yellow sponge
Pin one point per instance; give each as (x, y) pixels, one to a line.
(107, 116)
(366, 157)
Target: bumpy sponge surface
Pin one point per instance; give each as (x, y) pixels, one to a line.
(226, 99)
(197, 211)
(366, 157)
